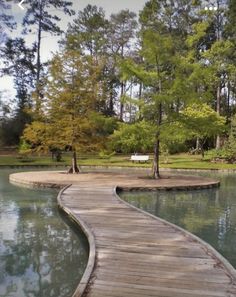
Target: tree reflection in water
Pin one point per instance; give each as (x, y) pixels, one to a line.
(210, 214)
(41, 255)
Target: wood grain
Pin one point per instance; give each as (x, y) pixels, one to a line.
(139, 255)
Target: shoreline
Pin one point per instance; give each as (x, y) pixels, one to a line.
(108, 167)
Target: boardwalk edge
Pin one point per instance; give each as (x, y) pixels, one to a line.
(230, 270)
(82, 286)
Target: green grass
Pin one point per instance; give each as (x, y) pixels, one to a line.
(28, 161)
(181, 161)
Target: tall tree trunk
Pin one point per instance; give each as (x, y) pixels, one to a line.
(197, 144)
(218, 95)
(156, 158)
(140, 93)
(130, 104)
(155, 167)
(111, 103)
(38, 50)
(122, 92)
(121, 100)
(202, 150)
(228, 101)
(38, 63)
(74, 168)
(218, 140)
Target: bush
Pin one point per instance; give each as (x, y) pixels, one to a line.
(129, 138)
(24, 148)
(225, 154)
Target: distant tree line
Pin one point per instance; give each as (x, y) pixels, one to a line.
(156, 82)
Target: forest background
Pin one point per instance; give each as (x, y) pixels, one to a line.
(162, 81)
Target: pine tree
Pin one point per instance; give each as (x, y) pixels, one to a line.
(38, 17)
(6, 20)
(158, 66)
(87, 33)
(121, 33)
(18, 62)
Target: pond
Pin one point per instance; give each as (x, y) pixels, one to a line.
(41, 252)
(210, 214)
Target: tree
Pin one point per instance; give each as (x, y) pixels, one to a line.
(154, 72)
(110, 41)
(222, 68)
(121, 34)
(18, 62)
(201, 121)
(228, 151)
(212, 66)
(132, 138)
(4, 111)
(173, 17)
(38, 16)
(88, 31)
(88, 35)
(162, 68)
(231, 21)
(213, 51)
(6, 20)
(71, 117)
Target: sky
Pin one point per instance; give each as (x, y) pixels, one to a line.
(49, 44)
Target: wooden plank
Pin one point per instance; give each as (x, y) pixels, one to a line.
(156, 290)
(183, 283)
(137, 255)
(194, 274)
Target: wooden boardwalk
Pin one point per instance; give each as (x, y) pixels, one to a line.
(132, 253)
(139, 255)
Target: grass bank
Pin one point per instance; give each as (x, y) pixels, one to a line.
(180, 161)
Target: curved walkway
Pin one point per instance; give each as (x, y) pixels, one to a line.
(132, 253)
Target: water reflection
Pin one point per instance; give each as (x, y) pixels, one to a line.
(210, 214)
(40, 255)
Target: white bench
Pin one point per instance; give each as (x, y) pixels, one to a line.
(139, 158)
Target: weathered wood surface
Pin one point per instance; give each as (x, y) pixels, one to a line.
(132, 253)
(138, 255)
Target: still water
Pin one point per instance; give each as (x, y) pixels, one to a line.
(42, 254)
(210, 214)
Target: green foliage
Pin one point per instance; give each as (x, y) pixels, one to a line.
(228, 151)
(140, 137)
(201, 121)
(183, 64)
(231, 20)
(172, 133)
(18, 61)
(24, 148)
(130, 138)
(88, 31)
(199, 30)
(223, 154)
(71, 120)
